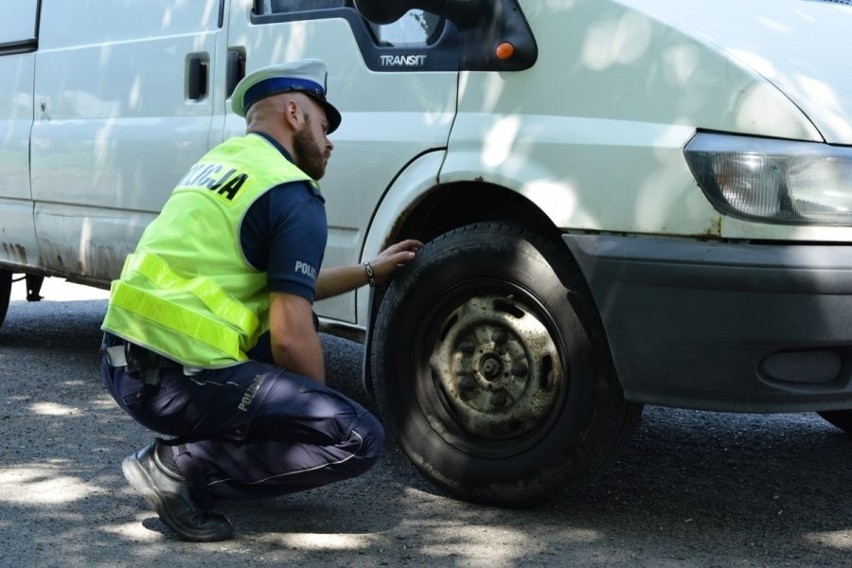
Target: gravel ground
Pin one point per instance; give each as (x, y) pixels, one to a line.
(692, 489)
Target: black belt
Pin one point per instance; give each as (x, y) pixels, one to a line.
(145, 364)
(139, 362)
(140, 358)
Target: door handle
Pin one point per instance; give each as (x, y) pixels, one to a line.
(196, 77)
(236, 70)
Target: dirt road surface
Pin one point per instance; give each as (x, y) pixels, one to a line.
(692, 489)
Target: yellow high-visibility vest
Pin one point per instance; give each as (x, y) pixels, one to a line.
(187, 292)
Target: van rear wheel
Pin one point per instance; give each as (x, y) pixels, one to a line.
(5, 293)
(492, 371)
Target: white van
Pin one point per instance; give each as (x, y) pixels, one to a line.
(625, 201)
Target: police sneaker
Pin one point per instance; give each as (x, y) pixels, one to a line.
(168, 493)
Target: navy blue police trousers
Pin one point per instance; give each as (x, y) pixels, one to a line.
(251, 430)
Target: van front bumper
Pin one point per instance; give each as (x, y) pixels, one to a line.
(724, 326)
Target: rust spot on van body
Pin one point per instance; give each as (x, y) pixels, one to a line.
(715, 228)
(91, 262)
(14, 252)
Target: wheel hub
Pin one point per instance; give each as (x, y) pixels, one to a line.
(496, 365)
(491, 367)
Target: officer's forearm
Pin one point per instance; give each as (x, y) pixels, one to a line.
(337, 280)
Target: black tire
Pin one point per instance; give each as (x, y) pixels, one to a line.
(492, 370)
(5, 293)
(840, 418)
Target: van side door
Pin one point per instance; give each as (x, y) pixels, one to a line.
(18, 42)
(123, 107)
(395, 86)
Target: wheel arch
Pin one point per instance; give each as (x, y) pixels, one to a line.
(422, 210)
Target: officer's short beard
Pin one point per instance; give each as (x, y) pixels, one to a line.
(309, 156)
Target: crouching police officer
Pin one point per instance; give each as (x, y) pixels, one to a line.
(209, 334)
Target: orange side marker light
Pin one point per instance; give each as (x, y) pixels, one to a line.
(505, 51)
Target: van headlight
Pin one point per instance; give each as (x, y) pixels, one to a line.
(776, 181)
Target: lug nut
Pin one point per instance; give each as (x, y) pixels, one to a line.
(467, 383)
(520, 369)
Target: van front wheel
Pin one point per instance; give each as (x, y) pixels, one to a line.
(492, 371)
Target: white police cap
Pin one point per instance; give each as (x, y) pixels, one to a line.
(307, 76)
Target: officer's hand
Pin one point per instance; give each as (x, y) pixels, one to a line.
(393, 257)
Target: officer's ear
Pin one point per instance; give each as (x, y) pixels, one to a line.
(293, 115)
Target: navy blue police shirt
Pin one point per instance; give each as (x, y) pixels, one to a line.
(284, 233)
